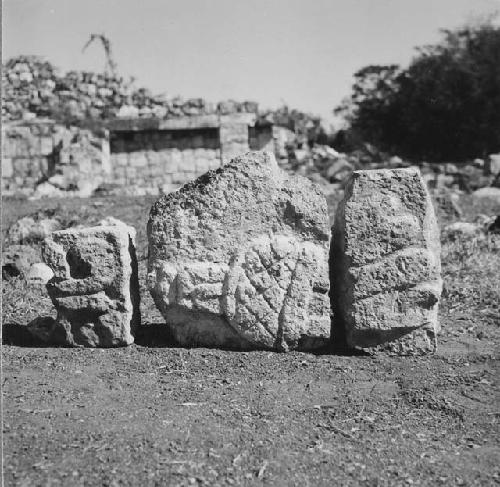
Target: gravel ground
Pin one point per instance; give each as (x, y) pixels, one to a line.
(154, 414)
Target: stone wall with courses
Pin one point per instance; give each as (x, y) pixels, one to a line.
(26, 151)
(234, 140)
(158, 160)
(163, 159)
(43, 150)
(155, 156)
(263, 138)
(165, 169)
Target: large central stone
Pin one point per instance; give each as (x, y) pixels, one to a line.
(239, 258)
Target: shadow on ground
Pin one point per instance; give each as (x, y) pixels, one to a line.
(155, 335)
(150, 335)
(20, 336)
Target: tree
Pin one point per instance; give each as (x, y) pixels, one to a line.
(444, 106)
(370, 108)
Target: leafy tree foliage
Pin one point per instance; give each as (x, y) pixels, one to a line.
(444, 106)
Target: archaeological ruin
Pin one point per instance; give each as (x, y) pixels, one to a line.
(147, 155)
(238, 259)
(149, 152)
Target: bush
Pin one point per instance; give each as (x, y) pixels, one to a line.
(444, 106)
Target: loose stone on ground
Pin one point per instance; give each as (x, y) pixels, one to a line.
(239, 258)
(385, 263)
(18, 259)
(95, 288)
(39, 273)
(32, 229)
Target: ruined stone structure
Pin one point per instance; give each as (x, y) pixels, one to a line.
(26, 153)
(149, 153)
(169, 153)
(41, 150)
(32, 88)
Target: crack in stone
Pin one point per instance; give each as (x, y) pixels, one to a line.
(279, 343)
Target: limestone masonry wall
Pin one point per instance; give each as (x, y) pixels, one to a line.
(36, 152)
(154, 155)
(163, 157)
(26, 154)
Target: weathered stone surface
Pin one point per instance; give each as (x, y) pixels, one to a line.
(111, 221)
(463, 229)
(493, 164)
(32, 229)
(17, 260)
(490, 193)
(39, 273)
(95, 286)
(385, 262)
(238, 258)
(46, 190)
(7, 168)
(446, 204)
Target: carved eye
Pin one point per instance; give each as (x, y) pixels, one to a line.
(78, 267)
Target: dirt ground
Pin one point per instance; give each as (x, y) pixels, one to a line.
(154, 414)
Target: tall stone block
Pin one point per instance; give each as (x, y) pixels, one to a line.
(95, 287)
(239, 258)
(385, 263)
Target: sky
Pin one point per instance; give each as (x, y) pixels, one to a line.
(299, 52)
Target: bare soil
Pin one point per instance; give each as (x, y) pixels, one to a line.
(155, 414)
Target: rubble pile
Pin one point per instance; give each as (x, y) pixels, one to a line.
(33, 87)
(28, 86)
(326, 166)
(305, 126)
(331, 169)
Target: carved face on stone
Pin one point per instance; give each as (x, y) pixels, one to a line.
(93, 287)
(385, 261)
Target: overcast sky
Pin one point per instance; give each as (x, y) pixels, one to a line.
(302, 52)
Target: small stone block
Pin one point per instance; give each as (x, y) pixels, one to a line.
(95, 287)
